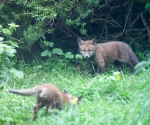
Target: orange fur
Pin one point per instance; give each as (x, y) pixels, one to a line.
(109, 52)
(48, 95)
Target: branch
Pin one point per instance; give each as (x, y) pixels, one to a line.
(11, 37)
(138, 16)
(107, 18)
(145, 24)
(127, 18)
(136, 30)
(1, 2)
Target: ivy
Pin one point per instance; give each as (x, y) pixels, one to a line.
(147, 6)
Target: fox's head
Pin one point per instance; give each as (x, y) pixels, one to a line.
(87, 48)
(72, 99)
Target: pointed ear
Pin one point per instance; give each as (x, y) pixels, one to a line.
(65, 91)
(79, 98)
(93, 41)
(80, 42)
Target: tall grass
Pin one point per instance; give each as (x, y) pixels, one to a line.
(106, 100)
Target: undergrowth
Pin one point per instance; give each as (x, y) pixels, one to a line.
(109, 99)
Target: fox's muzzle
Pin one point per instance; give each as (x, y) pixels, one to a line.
(87, 56)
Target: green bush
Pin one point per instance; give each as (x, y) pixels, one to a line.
(7, 54)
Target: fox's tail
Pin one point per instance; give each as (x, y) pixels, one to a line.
(24, 92)
(132, 56)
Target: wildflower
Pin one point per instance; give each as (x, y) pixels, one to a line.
(118, 77)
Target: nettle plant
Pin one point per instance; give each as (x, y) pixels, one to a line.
(7, 53)
(55, 51)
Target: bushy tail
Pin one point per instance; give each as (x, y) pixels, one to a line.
(24, 92)
(132, 56)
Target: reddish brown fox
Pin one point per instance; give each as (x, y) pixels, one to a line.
(110, 52)
(49, 96)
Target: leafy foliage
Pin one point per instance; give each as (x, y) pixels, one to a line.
(147, 6)
(55, 51)
(7, 51)
(57, 20)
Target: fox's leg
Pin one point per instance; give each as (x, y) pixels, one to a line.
(101, 66)
(59, 106)
(51, 106)
(38, 106)
(47, 106)
(131, 66)
(118, 65)
(128, 63)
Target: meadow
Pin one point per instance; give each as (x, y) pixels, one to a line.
(113, 98)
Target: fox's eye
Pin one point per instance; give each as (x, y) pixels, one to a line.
(90, 50)
(83, 50)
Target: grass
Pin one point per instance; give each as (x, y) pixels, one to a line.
(106, 100)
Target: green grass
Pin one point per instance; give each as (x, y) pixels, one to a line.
(106, 101)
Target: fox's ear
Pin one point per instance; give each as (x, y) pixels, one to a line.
(65, 91)
(80, 42)
(93, 41)
(79, 98)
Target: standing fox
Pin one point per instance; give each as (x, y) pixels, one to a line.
(48, 95)
(110, 52)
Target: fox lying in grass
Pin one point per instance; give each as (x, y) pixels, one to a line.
(111, 52)
(49, 96)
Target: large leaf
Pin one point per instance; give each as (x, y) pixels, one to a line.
(7, 32)
(10, 51)
(57, 51)
(79, 56)
(46, 53)
(147, 6)
(16, 73)
(69, 55)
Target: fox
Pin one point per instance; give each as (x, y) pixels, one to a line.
(115, 52)
(47, 95)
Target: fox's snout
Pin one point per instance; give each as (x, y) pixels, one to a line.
(86, 56)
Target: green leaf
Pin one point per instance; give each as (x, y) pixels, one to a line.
(83, 31)
(10, 51)
(1, 50)
(57, 51)
(1, 38)
(69, 22)
(69, 55)
(7, 32)
(14, 44)
(16, 73)
(147, 6)
(49, 54)
(46, 53)
(141, 55)
(47, 43)
(78, 56)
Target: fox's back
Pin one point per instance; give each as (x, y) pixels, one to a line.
(111, 51)
(50, 92)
